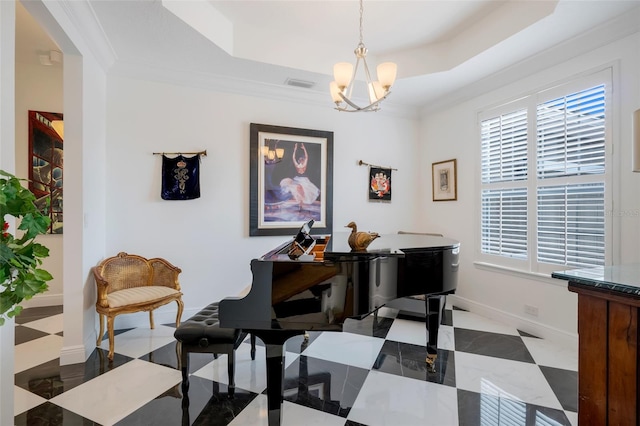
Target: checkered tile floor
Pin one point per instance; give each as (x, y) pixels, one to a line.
(370, 374)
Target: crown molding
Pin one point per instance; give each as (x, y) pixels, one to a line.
(227, 84)
(83, 17)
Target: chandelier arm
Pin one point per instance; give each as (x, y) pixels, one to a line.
(366, 72)
(371, 107)
(349, 89)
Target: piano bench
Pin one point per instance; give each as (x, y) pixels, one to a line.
(202, 334)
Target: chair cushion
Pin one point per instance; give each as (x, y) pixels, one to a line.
(205, 324)
(131, 296)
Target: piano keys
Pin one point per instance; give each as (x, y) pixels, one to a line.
(320, 289)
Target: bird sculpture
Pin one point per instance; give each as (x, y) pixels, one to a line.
(360, 240)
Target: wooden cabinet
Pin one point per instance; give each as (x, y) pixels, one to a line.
(608, 356)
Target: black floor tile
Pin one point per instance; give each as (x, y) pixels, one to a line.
(168, 356)
(24, 334)
(374, 326)
(205, 403)
(323, 385)
(482, 409)
(492, 344)
(564, 384)
(34, 314)
(407, 360)
(49, 414)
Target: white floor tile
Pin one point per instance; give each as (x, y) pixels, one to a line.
(413, 332)
(387, 399)
(573, 417)
(53, 324)
(387, 312)
(140, 341)
(114, 395)
(346, 348)
(471, 321)
(552, 354)
(35, 352)
(24, 400)
(501, 377)
(250, 374)
(446, 339)
(255, 414)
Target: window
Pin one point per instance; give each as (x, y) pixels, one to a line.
(543, 180)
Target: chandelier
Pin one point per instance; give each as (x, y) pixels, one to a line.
(344, 74)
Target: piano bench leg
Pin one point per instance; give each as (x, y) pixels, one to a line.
(184, 360)
(231, 358)
(253, 347)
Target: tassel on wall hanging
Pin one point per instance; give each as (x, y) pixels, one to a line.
(180, 176)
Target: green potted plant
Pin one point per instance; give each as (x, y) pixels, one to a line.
(20, 256)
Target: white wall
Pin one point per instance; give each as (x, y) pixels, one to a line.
(7, 162)
(84, 106)
(208, 237)
(39, 88)
(453, 133)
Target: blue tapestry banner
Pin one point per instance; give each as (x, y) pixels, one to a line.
(180, 178)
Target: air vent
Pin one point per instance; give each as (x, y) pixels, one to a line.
(299, 83)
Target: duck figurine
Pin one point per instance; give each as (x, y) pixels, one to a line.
(360, 240)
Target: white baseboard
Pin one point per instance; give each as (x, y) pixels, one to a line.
(524, 324)
(73, 354)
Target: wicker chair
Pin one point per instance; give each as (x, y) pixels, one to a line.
(129, 283)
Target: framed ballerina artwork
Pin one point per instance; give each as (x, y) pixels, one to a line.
(291, 180)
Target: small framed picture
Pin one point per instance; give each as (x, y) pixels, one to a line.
(444, 181)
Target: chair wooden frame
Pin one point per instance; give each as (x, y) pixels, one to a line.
(128, 283)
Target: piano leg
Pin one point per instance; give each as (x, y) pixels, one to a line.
(434, 318)
(274, 346)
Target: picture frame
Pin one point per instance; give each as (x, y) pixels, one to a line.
(46, 158)
(291, 180)
(444, 180)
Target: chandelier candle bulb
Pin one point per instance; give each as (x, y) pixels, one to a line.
(342, 72)
(387, 74)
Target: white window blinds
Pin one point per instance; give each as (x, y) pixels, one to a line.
(504, 147)
(557, 214)
(504, 222)
(570, 134)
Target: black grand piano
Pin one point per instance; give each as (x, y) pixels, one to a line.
(315, 283)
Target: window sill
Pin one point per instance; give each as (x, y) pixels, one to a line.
(545, 278)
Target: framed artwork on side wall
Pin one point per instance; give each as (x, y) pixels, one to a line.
(46, 136)
(291, 180)
(444, 181)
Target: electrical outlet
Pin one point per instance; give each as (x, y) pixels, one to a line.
(531, 310)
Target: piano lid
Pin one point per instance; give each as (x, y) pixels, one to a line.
(396, 244)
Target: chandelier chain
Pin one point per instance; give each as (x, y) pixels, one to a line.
(361, 12)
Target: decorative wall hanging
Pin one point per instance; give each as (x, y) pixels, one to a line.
(379, 182)
(46, 135)
(291, 178)
(444, 180)
(180, 175)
